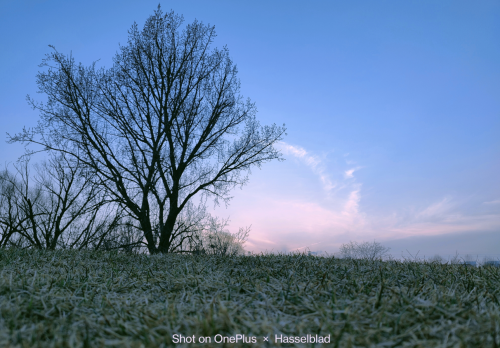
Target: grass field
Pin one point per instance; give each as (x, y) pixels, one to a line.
(97, 299)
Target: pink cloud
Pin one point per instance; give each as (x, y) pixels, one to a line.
(330, 218)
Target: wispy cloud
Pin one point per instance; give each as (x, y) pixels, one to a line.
(496, 201)
(351, 207)
(297, 220)
(318, 166)
(444, 216)
(312, 161)
(348, 174)
(436, 210)
(293, 224)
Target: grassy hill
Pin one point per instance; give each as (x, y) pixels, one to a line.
(97, 299)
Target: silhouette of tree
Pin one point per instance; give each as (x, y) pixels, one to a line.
(164, 124)
(365, 250)
(55, 207)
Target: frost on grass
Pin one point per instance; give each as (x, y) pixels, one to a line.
(105, 299)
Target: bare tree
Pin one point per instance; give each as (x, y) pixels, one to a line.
(71, 202)
(365, 250)
(118, 234)
(55, 207)
(165, 124)
(12, 217)
(436, 259)
(26, 200)
(215, 239)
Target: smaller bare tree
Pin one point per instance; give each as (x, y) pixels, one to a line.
(365, 250)
(25, 200)
(12, 217)
(57, 207)
(215, 239)
(71, 201)
(436, 259)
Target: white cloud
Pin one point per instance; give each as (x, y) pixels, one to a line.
(348, 174)
(346, 206)
(314, 162)
(351, 207)
(317, 165)
(294, 150)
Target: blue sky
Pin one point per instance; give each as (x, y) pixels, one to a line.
(392, 110)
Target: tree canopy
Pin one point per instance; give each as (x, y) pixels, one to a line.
(164, 124)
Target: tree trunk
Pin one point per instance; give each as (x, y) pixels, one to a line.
(148, 233)
(167, 231)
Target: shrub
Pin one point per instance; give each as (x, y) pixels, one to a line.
(214, 239)
(365, 250)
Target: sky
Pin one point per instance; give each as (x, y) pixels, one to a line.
(392, 110)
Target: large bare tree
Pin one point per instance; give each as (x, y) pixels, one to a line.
(163, 125)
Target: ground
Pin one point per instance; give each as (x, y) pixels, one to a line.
(105, 299)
